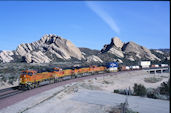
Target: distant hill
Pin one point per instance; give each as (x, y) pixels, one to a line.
(129, 50)
(88, 52)
(163, 54)
(165, 51)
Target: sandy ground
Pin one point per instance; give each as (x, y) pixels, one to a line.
(93, 96)
(126, 80)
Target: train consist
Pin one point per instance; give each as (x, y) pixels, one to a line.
(30, 79)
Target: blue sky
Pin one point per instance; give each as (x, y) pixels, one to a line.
(86, 23)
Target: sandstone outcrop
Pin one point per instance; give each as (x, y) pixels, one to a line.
(52, 48)
(114, 47)
(6, 56)
(58, 46)
(36, 57)
(140, 51)
(94, 58)
(41, 50)
(130, 50)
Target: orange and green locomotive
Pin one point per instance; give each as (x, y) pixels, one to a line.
(30, 79)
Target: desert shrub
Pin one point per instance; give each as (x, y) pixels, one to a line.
(152, 79)
(152, 93)
(106, 82)
(163, 97)
(11, 80)
(123, 91)
(165, 88)
(116, 91)
(139, 90)
(4, 79)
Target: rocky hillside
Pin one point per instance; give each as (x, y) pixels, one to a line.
(96, 54)
(163, 54)
(47, 49)
(52, 48)
(130, 50)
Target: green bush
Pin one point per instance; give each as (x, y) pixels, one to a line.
(165, 88)
(116, 91)
(139, 90)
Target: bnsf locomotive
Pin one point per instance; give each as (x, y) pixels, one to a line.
(30, 79)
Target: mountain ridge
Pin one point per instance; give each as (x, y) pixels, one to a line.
(53, 48)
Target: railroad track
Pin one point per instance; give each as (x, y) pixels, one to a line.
(5, 93)
(14, 97)
(8, 92)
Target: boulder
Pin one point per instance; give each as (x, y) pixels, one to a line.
(6, 56)
(117, 42)
(114, 47)
(158, 51)
(94, 58)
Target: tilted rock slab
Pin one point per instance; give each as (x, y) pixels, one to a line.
(94, 58)
(36, 51)
(114, 47)
(6, 56)
(140, 51)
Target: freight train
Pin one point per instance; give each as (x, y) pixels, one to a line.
(30, 79)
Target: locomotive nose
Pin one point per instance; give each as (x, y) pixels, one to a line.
(23, 78)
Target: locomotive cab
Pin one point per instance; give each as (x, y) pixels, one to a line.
(57, 69)
(26, 77)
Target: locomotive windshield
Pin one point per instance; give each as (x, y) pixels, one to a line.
(24, 73)
(57, 69)
(30, 73)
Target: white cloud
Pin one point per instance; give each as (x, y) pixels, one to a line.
(104, 16)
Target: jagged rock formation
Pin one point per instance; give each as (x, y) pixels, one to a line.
(140, 51)
(52, 48)
(131, 58)
(163, 54)
(36, 57)
(41, 50)
(56, 45)
(6, 56)
(158, 51)
(117, 60)
(94, 58)
(114, 47)
(130, 50)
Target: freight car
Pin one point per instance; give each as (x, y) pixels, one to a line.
(112, 67)
(123, 68)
